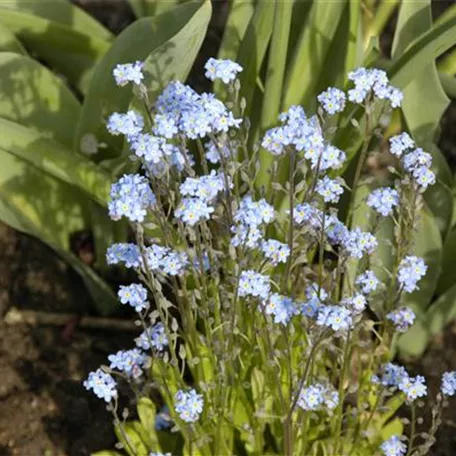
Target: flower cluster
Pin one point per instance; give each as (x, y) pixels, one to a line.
(416, 162)
(254, 284)
(153, 338)
(411, 270)
(102, 385)
(449, 383)
(383, 200)
(318, 396)
(128, 362)
(250, 217)
(134, 295)
(373, 82)
(397, 377)
(226, 70)
(332, 100)
(278, 253)
(394, 446)
(305, 136)
(402, 318)
(188, 405)
(281, 307)
(128, 72)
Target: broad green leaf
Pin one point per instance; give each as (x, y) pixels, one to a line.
(146, 412)
(40, 205)
(427, 244)
(33, 96)
(380, 18)
(127, 434)
(71, 52)
(442, 312)
(168, 43)
(241, 12)
(9, 43)
(60, 11)
(253, 50)
(54, 159)
(311, 50)
(425, 49)
(275, 74)
(414, 342)
(425, 89)
(107, 453)
(448, 276)
(144, 8)
(394, 427)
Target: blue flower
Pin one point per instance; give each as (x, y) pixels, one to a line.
(332, 100)
(393, 447)
(413, 387)
(254, 284)
(392, 375)
(134, 295)
(154, 337)
(383, 200)
(400, 144)
(357, 243)
(102, 384)
(128, 72)
(402, 318)
(318, 397)
(367, 282)
(282, 307)
(128, 361)
(188, 405)
(329, 189)
(276, 251)
(373, 81)
(449, 383)
(193, 210)
(338, 318)
(226, 70)
(128, 254)
(356, 303)
(129, 124)
(411, 270)
(131, 197)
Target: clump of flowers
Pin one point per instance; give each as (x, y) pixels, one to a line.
(252, 302)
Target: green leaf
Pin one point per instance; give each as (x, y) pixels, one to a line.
(241, 12)
(33, 96)
(427, 244)
(394, 427)
(414, 20)
(128, 435)
(425, 49)
(42, 206)
(272, 100)
(168, 43)
(107, 453)
(442, 312)
(147, 412)
(60, 11)
(413, 343)
(54, 159)
(71, 52)
(9, 43)
(253, 50)
(144, 8)
(311, 50)
(448, 276)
